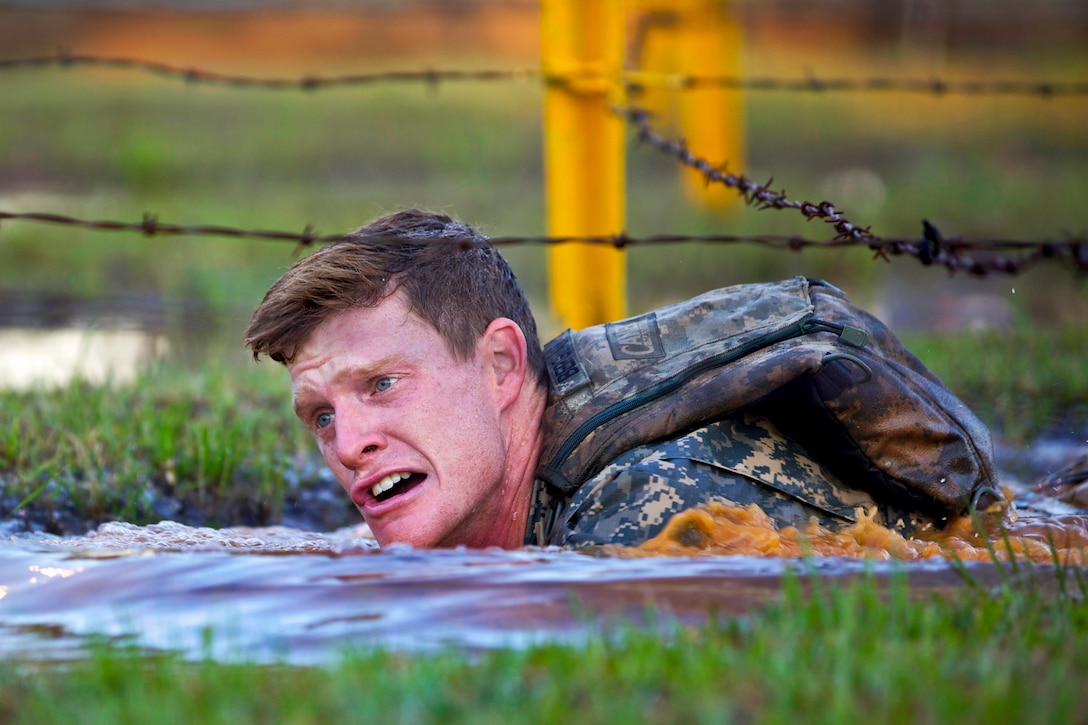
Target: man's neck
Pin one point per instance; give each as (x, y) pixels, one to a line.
(524, 440)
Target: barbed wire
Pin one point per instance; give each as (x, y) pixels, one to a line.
(812, 83)
(932, 248)
(63, 59)
(151, 226)
(635, 80)
(758, 195)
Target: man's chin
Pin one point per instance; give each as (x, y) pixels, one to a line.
(403, 533)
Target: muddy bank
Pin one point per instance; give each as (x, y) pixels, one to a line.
(313, 501)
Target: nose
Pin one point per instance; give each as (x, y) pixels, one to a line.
(358, 438)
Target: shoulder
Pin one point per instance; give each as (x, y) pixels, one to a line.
(738, 461)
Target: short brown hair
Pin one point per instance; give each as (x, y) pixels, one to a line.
(458, 288)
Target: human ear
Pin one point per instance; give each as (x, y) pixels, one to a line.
(505, 356)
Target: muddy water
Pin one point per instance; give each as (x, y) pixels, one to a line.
(277, 594)
(281, 594)
(1000, 534)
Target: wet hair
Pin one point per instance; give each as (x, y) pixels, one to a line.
(451, 276)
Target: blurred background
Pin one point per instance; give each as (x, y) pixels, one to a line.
(102, 143)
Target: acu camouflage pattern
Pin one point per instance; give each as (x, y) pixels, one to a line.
(741, 461)
(875, 416)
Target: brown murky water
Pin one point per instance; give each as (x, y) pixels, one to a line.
(283, 595)
(288, 595)
(1000, 533)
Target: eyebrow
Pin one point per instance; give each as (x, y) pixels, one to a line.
(298, 404)
(355, 372)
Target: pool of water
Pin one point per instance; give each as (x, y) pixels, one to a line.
(285, 595)
(282, 595)
(52, 358)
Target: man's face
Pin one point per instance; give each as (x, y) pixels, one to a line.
(411, 432)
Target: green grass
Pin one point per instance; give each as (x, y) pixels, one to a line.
(826, 653)
(1022, 381)
(204, 447)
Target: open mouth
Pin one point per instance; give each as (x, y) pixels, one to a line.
(395, 484)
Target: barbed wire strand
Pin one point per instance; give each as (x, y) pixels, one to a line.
(932, 249)
(758, 195)
(815, 84)
(635, 80)
(64, 59)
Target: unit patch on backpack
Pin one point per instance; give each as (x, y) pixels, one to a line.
(635, 339)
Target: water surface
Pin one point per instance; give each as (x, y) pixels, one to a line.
(285, 595)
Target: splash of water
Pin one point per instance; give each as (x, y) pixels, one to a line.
(998, 533)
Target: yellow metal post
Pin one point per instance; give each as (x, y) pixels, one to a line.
(698, 38)
(710, 117)
(583, 43)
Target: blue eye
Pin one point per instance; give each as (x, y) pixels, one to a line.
(383, 384)
(323, 420)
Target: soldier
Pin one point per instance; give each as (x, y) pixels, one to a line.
(415, 362)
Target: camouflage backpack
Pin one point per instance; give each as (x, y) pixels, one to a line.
(829, 374)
